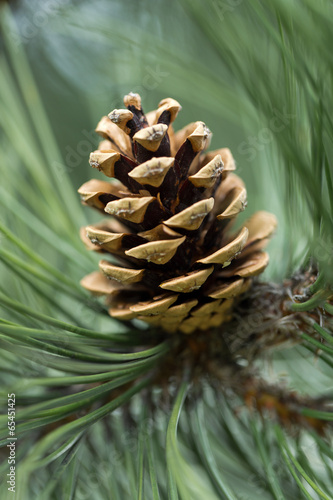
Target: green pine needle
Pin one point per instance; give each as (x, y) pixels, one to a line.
(260, 74)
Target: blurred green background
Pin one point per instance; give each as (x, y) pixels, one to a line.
(259, 73)
(86, 55)
(250, 70)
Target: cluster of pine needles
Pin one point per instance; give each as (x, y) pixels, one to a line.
(112, 410)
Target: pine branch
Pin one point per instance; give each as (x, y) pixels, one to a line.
(87, 384)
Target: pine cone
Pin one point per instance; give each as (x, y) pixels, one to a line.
(171, 207)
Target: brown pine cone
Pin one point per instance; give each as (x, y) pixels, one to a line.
(171, 207)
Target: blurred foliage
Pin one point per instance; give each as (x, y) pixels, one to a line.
(260, 75)
(263, 92)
